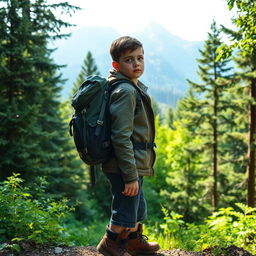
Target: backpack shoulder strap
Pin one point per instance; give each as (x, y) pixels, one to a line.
(115, 83)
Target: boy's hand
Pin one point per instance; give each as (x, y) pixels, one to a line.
(131, 189)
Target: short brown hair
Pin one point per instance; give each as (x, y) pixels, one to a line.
(122, 45)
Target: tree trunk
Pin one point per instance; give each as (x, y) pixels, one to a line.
(251, 147)
(215, 169)
(215, 143)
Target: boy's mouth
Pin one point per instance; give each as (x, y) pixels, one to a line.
(137, 70)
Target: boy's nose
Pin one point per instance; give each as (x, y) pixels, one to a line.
(136, 62)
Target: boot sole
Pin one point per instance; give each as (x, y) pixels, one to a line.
(142, 253)
(102, 251)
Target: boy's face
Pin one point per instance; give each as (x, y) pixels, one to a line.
(131, 64)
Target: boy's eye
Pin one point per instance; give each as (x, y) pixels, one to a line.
(128, 60)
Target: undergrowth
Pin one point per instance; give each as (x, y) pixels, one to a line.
(42, 220)
(223, 228)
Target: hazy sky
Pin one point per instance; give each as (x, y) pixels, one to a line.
(188, 19)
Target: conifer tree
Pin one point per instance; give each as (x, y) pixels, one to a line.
(33, 135)
(209, 102)
(88, 68)
(244, 39)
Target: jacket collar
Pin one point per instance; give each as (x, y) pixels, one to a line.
(116, 75)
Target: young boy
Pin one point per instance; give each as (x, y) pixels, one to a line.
(132, 135)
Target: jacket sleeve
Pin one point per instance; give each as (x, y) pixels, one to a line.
(122, 107)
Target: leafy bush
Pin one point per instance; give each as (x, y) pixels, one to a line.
(222, 229)
(175, 232)
(230, 227)
(26, 218)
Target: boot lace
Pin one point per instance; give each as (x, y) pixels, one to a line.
(143, 238)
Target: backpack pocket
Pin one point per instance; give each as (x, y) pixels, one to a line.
(92, 140)
(77, 130)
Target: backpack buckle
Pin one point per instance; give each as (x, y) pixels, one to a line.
(99, 122)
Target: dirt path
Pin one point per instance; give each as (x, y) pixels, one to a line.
(91, 251)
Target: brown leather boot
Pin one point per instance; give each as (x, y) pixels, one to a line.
(114, 244)
(137, 243)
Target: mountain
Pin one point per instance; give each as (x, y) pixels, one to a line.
(169, 60)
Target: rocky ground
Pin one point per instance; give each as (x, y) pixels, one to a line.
(29, 250)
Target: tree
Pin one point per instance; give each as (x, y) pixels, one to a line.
(244, 39)
(33, 134)
(209, 103)
(177, 183)
(169, 117)
(245, 21)
(88, 68)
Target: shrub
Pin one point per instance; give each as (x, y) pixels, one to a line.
(24, 217)
(174, 232)
(222, 229)
(230, 227)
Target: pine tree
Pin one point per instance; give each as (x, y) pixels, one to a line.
(209, 102)
(88, 68)
(194, 157)
(244, 39)
(33, 134)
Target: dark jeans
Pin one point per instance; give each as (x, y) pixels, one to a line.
(126, 210)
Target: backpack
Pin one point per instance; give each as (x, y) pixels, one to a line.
(90, 125)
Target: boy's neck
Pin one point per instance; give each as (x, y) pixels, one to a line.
(135, 81)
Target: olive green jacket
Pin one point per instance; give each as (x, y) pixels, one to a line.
(130, 120)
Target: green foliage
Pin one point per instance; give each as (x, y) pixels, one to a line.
(243, 41)
(30, 85)
(78, 234)
(24, 217)
(244, 38)
(169, 117)
(38, 219)
(210, 111)
(34, 138)
(174, 232)
(178, 183)
(223, 228)
(230, 227)
(178, 234)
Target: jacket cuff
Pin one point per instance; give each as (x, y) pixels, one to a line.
(128, 178)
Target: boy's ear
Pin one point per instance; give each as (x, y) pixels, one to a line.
(115, 65)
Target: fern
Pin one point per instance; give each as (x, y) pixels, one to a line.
(228, 226)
